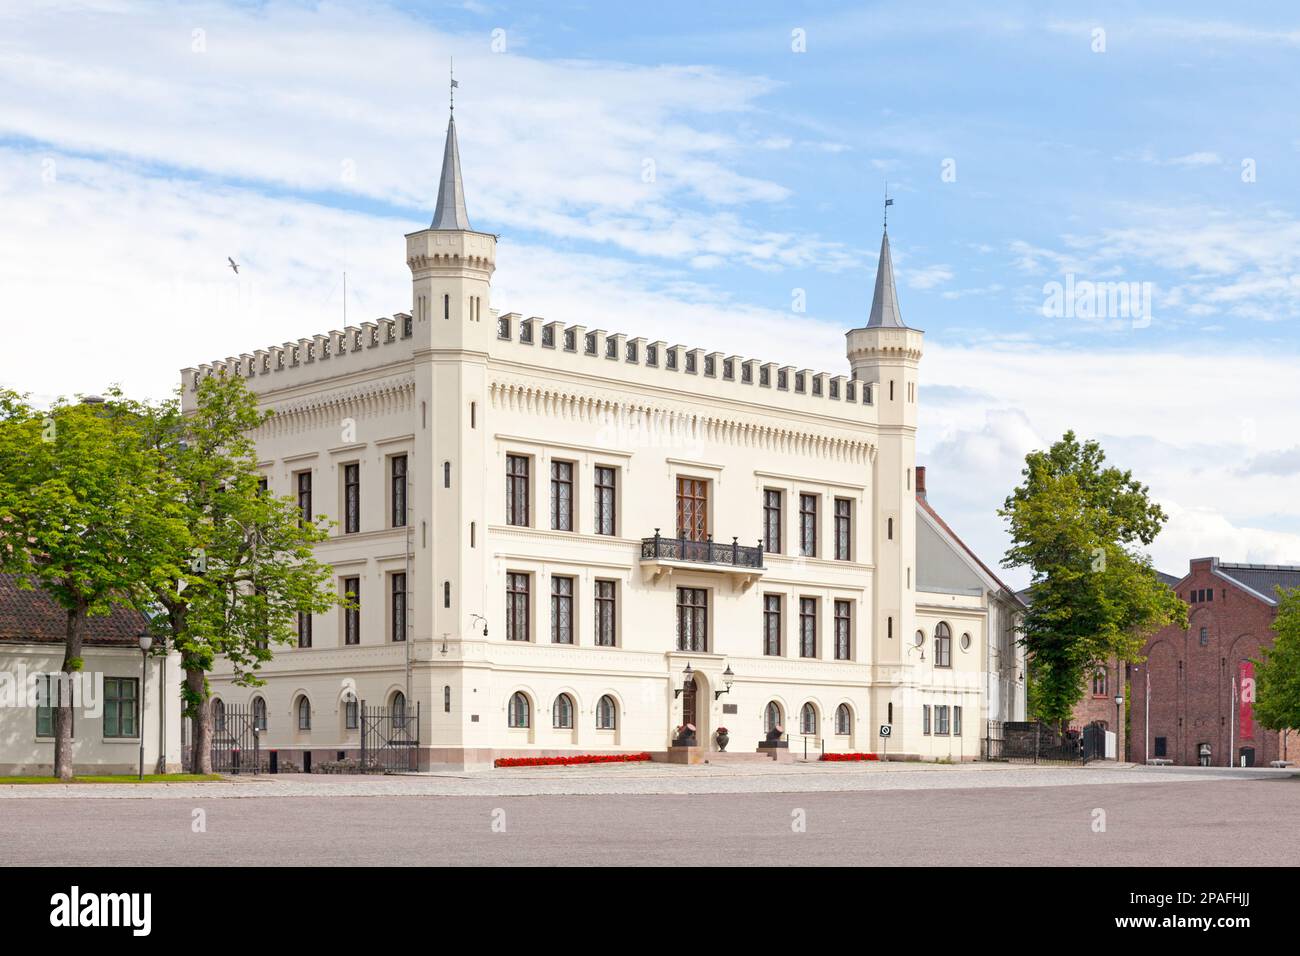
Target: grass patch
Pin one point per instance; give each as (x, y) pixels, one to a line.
(120, 778)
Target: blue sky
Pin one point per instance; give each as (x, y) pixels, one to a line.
(142, 143)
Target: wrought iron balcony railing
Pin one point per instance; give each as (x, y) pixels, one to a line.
(702, 552)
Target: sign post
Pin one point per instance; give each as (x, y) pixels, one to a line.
(885, 731)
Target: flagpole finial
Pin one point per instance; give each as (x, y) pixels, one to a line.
(888, 202)
(451, 75)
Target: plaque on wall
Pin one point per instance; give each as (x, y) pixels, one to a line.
(730, 708)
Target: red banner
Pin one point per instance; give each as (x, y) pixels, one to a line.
(1246, 700)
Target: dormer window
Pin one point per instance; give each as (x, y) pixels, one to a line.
(709, 366)
(835, 389)
(631, 352)
(591, 343)
(765, 377)
(671, 361)
(817, 385)
(746, 374)
(728, 370)
(526, 333)
(850, 391)
(548, 336)
(690, 363)
(611, 348)
(652, 356)
(782, 379)
(503, 328)
(570, 340)
(799, 382)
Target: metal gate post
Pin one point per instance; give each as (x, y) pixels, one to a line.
(362, 706)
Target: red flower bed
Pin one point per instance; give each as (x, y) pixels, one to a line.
(845, 757)
(569, 761)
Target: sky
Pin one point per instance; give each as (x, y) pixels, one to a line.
(692, 172)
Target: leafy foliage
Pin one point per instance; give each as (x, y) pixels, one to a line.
(1277, 675)
(1077, 525)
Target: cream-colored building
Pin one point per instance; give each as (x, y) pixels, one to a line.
(545, 525)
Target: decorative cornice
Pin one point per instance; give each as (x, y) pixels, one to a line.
(661, 418)
(363, 400)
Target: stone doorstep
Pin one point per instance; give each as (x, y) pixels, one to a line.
(730, 757)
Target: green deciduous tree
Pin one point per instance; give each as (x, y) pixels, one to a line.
(80, 516)
(1277, 674)
(1077, 525)
(246, 567)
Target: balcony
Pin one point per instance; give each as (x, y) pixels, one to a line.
(660, 556)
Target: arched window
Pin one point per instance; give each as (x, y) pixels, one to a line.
(942, 646)
(399, 710)
(772, 717)
(808, 719)
(562, 713)
(605, 713)
(219, 716)
(304, 713)
(843, 720)
(259, 713)
(351, 713)
(518, 714)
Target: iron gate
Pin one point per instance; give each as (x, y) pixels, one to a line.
(1036, 742)
(236, 741)
(390, 739)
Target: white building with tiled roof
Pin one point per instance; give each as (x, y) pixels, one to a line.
(573, 540)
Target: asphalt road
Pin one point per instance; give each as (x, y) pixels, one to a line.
(1208, 823)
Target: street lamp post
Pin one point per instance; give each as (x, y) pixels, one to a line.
(1119, 702)
(145, 642)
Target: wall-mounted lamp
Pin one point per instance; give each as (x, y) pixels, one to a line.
(688, 675)
(727, 678)
(475, 619)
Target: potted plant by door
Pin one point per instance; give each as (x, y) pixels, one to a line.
(722, 738)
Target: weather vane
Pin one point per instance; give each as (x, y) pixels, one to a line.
(451, 69)
(888, 202)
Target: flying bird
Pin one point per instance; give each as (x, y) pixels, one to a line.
(233, 264)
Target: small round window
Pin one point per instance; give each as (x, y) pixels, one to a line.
(965, 642)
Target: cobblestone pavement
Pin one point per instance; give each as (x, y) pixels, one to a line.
(651, 779)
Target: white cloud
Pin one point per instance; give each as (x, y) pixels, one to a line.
(563, 148)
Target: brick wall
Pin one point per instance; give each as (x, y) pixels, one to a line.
(1191, 681)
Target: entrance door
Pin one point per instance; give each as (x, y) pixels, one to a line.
(689, 696)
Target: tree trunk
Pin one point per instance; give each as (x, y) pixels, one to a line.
(76, 628)
(196, 683)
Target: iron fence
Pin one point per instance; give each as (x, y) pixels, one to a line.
(1036, 742)
(390, 739)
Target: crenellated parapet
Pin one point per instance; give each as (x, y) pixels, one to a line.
(345, 349)
(537, 341)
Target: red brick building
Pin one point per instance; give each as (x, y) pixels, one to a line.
(1202, 680)
(1101, 686)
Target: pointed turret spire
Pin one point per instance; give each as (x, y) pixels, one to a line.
(884, 303)
(451, 213)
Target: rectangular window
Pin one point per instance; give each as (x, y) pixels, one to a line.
(1099, 683)
(49, 695)
(772, 520)
(561, 610)
(693, 619)
(398, 602)
(561, 496)
(351, 715)
(925, 719)
(843, 529)
(304, 497)
(807, 627)
(605, 608)
(956, 721)
(772, 625)
(808, 525)
(941, 720)
(693, 508)
(121, 706)
(517, 490)
(351, 498)
(1162, 746)
(398, 472)
(304, 630)
(352, 613)
(517, 599)
(843, 629)
(604, 505)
